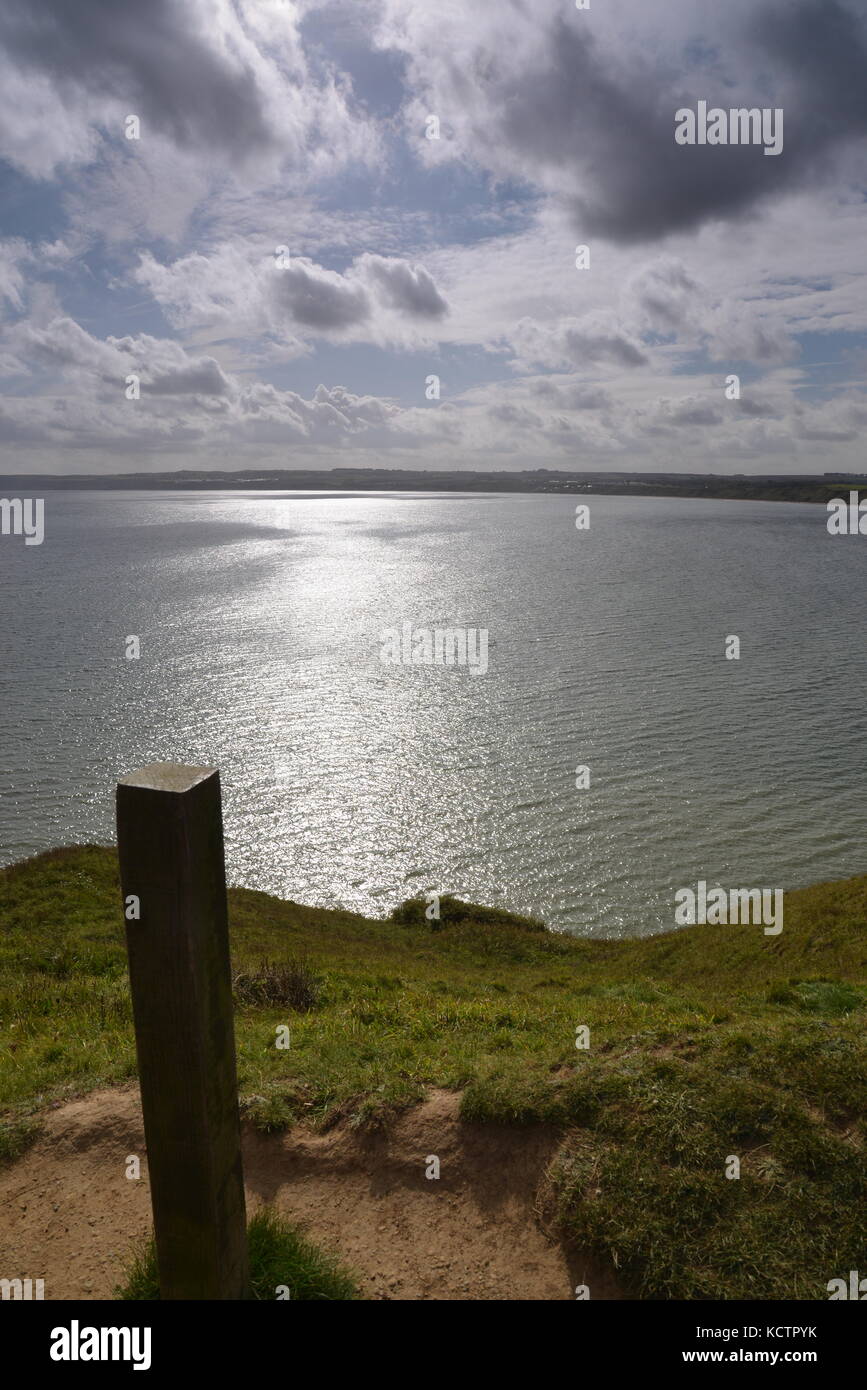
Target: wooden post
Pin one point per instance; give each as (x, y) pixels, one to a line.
(170, 843)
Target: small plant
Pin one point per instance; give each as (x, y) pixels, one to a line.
(16, 1136)
(830, 997)
(280, 1258)
(455, 912)
(269, 1113)
(290, 983)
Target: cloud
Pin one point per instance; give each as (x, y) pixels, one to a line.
(286, 121)
(164, 367)
(202, 378)
(183, 396)
(597, 337)
(695, 413)
(13, 252)
(263, 413)
(582, 104)
(408, 288)
(662, 298)
(571, 395)
(516, 415)
(665, 297)
(243, 292)
(156, 57)
(194, 413)
(758, 410)
(227, 82)
(318, 298)
(19, 259)
(745, 333)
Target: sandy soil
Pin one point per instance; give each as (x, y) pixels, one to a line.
(68, 1213)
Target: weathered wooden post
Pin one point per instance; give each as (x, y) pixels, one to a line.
(170, 842)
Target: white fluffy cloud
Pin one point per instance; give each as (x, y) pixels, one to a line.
(191, 409)
(182, 396)
(228, 81)
(242, 292)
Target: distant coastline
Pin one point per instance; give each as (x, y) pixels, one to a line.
(767, 487)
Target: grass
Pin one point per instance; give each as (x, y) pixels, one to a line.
(705, 1043)
(16, 1135)
(282, 1264)
(292, 985)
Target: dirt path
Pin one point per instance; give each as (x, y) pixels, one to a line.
(68, 1213)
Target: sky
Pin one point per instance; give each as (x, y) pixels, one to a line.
(229, 237)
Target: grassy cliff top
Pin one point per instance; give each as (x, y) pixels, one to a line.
(705, 1043)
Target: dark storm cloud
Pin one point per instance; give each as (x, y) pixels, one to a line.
(147, 54)
(823, 44)
(606, 128)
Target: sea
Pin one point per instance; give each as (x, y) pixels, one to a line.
(618, 745)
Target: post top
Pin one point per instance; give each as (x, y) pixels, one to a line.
(167, 777)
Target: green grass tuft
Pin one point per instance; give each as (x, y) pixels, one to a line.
(453, 912)
(16, 1137)
(280, 1259)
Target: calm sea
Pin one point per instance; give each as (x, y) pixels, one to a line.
(352, 782)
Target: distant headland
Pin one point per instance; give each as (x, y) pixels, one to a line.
(760, 487)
